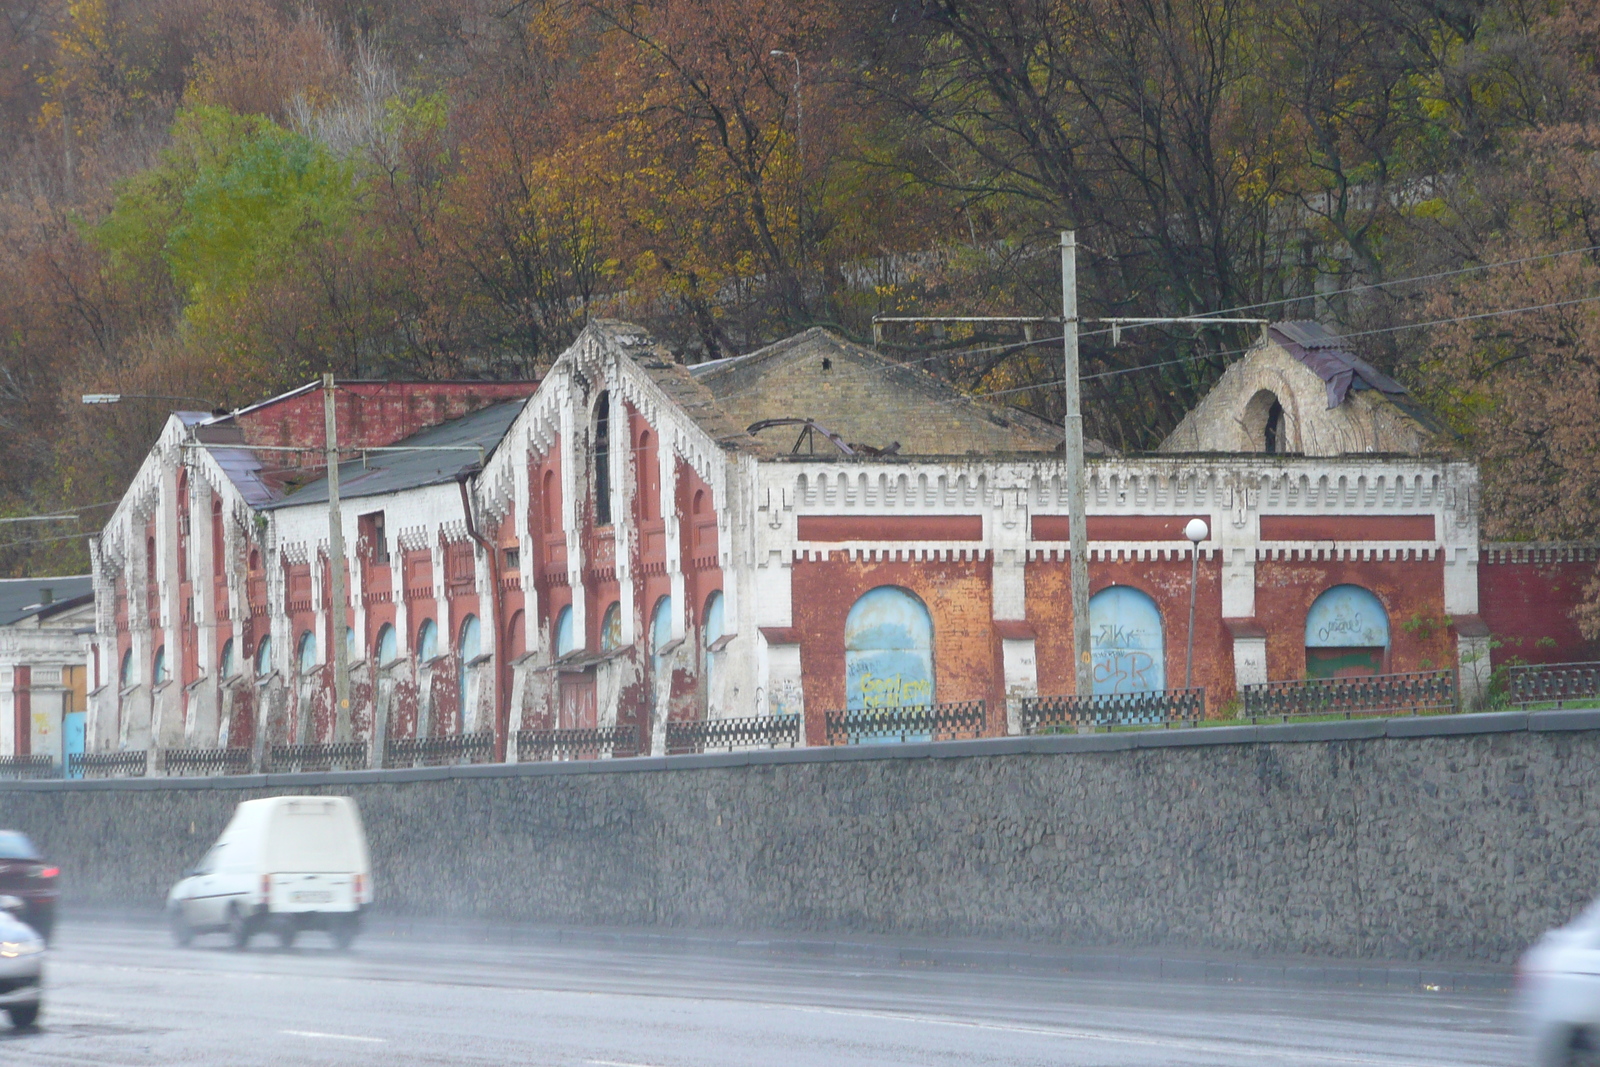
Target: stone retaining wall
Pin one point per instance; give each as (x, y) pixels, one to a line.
(1449, 838)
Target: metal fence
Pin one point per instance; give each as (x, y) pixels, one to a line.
(297, 759)
(1157, 707)
(1414, 693)
(1559, 684)
(197, 762)
(929, 722)
(607, 742)
(13, 768)
(710, 735)
(108, 764)
(439, 751)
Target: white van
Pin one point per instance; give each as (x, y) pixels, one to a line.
(284, 864)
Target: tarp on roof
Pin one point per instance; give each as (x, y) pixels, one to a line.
(1329, 356)
(468, 439)
(22, 598)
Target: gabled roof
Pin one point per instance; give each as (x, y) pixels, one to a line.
(463, 445)
(23, 598)
(1328, 355)
(866, 399)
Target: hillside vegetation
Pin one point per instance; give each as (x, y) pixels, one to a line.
(218, 200)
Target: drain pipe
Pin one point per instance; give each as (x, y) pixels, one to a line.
(502, 711)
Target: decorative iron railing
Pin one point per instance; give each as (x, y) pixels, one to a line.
(439, 751)
(198, 762)
(609, 742)
(13, 768)
(108, 764)
(710, 735)
(929, 722)
(1414, 693)
(298, 759)
(1559, 684)
(1157, 707)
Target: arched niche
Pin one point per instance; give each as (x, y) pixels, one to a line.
(888, 651)
(1126, 642)
(1347, 634)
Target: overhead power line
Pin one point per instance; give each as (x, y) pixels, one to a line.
(1359, 333)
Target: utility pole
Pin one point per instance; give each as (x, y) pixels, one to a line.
(338, 615)
(1077, 521)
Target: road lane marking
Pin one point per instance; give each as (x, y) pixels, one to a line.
(335, 1037)
(1209, 1046)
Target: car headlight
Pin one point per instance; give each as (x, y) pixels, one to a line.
(13, 949)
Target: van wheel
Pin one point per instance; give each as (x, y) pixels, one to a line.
(23, 1015)
(286, 935)
(182, 933)
(343, 931)
(240, 929)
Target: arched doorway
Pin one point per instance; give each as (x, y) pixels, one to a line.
(1126, 644)
(1347, 634)
(888, 651)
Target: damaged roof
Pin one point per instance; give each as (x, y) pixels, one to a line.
(875, 404)
(1328, 355)
(433, 456)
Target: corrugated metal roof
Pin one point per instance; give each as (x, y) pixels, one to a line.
(22, 598)
(391, 472)
(1328, 354)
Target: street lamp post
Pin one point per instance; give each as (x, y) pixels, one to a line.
(1196, 531)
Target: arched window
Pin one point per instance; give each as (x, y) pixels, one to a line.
(264, 657)
(468, 648)
(125, 673)
(427, 642)
(1126, 644)
(564, 636)
(551, 504)
(1266, 423)
(649, 479)
(516, 636)
(611, 628)
(386, 648)
(710, 634)
(888, 651)
(306, 652)
(1347, 634)
(602, 460)
(225, 667)
(660, 632)
(158, 667)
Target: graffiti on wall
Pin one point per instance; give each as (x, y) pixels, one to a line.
(1125, 641)
(888, 657)
(1347, 634)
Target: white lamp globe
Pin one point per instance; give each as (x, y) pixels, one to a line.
(1197, 530)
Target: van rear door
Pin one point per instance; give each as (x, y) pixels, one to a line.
(315, 852)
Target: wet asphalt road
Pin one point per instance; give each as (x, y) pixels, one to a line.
(120, 993)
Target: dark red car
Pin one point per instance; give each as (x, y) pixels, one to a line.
(23, 874)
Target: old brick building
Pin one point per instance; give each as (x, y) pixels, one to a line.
(805, 528)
